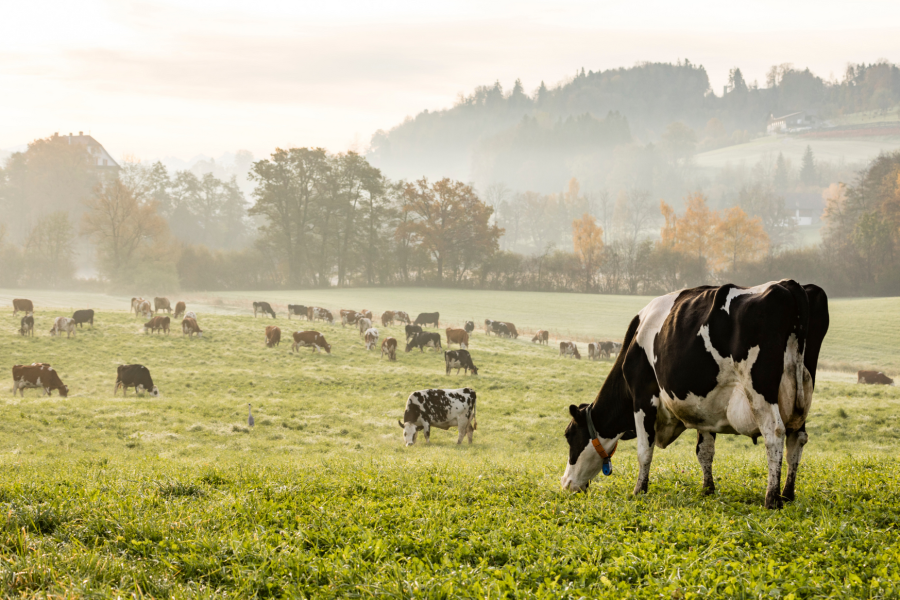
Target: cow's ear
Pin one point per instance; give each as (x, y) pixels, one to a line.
(573, 410)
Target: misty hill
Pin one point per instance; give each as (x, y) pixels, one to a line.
(537, 141)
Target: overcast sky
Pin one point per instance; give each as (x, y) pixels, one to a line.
(156, 79)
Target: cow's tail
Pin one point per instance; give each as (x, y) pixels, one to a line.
(801, 329)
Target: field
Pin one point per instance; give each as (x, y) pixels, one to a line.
(176, 496)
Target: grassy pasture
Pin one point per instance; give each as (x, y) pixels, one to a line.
(177, 497)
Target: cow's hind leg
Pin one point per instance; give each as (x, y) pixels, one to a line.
(706, 450)
(645, 427)
(795, 442)
(772, 428)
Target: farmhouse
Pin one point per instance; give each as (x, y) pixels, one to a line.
(101, 157)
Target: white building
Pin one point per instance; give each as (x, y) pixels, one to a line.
(96, 150)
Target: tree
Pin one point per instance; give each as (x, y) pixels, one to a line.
(741, 238)
(736, 81)
(780, 179)
(679, 142)
(50, 249)
(808, 167)
(449, 222)
(587, 239)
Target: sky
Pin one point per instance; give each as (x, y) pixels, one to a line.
(157, 79)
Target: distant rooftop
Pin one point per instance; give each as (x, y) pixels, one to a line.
(95, 149)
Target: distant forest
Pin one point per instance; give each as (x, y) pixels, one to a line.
(592, 126)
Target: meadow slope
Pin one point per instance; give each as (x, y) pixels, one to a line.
(177, 497)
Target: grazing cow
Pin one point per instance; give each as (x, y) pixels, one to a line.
(23, 305)
(162, 304)
(83, 316)
(310, 339)
(349, 317)
(273, 336)
(319, 314)
(136, 376)
(389, 347)
(569, 349)
(715, 359)
(157, 324)
(264, 308)
(189, 327)
(62, 324)
(180, 308)
(37, 375)
(364, 325)
(371, 338)
(297, 309)
(541, 337)
(427, 319)
(144, 309)
(412, 331)
(459, 359)
(513, 332)
(366, 313)
(469, 327)
(387, 318)
(27, 326)
(488, 326)
(402, 317)
(594, 351)
(423, 340)
(875, 377)
(439, 408)
(457, 336)
(500, 329)
(135, 304)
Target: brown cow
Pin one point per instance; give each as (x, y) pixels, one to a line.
(136, 306)
(37, 375)
(162, 304)
(180, 308)
(273, 336)
(157, 324)
(512, 329)
(387, 318)
(310, 339)
(189, 327)
(874, 377)
(541, 337)
(21, 304)
(389, 347)
(457, 336)
(349, 317)
(144, 309)
(366, 313)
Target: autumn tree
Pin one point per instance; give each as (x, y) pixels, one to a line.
(742, 239)
(698, 231)
(587, 237)
(50, 249)
(449, 222)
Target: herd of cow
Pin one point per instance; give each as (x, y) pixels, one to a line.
(719, 360)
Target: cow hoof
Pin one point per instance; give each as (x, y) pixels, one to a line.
(709, 490)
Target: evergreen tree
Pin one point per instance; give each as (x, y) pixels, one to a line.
(780, 178)
(808, 167)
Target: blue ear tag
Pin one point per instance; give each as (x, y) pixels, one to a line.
(607, 466)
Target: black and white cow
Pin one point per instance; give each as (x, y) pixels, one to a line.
(439, 408)
(297, 309)
(460, 359)
(469, 327)
(423, 340)
(136, 376)
(716, 359)
(412, 331)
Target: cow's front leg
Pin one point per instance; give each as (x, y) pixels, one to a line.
(462, 423)
(645, 427)
(795, 442)
(427, 431)
(772, 428)
(706, 450)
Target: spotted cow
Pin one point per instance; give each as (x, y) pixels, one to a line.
(63, 324)
(310, 339)
(459, 359)
(371, 338)
(569, 350)
(298, 310)
(263, 307)
(40, 376)
(541, 337)
(389, 347)
(439, 408)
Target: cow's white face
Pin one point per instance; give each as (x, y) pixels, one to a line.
(410, 430)
(584, 463)
(155, 392)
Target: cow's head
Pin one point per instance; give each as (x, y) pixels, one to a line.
(410, 431)
(140, 389)
(64, 391)
(409, 346)
(584, 462)
(326, 345)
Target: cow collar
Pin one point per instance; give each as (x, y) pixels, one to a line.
(598, 445)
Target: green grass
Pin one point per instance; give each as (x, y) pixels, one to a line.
(850, 150)
(177, 497)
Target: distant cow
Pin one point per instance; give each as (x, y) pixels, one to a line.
(264, 308)
(136, 376)
(460, 359)
(37, 375)
(412, 331)
(387, 318)
(299, 310)
(157, 324)
(423, 340)
(439, 408)
(83, 316)
(608, 348)
(428, 319)
(594, 351)
(189, 327)
(371, 338)
(349, 317)
(364, 325)
(569, 349)
(310, 339)
(500, 329)
(144, 309)
(513, 332)
(541, 337)
(314, 313)
(63, 324)
(162, 304)
(402, 317)
(135, 305)
(469, 327)
(366, 313)
(23, 305)
(875, 377)
(488, 326)
(389, 347)
(273, 336)
(180, 308)
(27, 326)
(457, 336)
